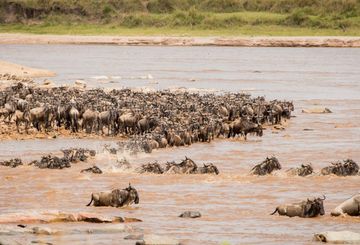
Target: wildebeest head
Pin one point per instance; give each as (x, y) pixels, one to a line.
(305, 170)
(259, 130)
(315, 207)
(211, 168)
(133, 194)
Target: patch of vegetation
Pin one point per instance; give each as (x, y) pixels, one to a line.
(337, 15)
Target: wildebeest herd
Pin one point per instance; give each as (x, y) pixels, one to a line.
(157, 120)
(160, 118)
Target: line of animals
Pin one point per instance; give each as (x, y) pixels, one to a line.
(162, 118)
(71, 155)
(187, 166)
(306, 209)
(346, 168)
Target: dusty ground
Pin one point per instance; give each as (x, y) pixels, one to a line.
(183, 41)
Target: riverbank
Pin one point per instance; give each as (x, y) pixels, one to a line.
(266, 41)
(23, 71)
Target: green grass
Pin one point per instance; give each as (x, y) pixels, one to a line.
(107, 19)
(109, 29)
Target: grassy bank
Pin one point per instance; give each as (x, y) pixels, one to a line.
(247, 30)
(182, 17)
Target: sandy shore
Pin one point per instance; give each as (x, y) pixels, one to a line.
(322, 41)
(23, 71)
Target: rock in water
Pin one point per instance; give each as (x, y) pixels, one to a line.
(317, 110)
(157, 240)
(44, 231)
(338, 237)
(190, 214)
(80, 84)
(134, 237)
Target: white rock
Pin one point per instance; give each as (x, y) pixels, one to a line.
(158, 240)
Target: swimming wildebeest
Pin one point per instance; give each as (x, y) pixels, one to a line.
(350, 207)
(207, 169)
(303, 170)
(266, 167)
(348, 167)
(151, 168)
(93, 169)
(305, 209)
(115, 198)
(186, 166)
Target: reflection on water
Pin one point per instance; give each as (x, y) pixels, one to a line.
(235, 207)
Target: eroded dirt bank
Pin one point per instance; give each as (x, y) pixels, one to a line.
(183, 41)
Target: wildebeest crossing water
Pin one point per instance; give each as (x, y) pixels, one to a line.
(234, 206)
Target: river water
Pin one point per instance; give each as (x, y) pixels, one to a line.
(235, 207)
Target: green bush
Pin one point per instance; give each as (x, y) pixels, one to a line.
(160, 6)
(297, 18)
(221, 6)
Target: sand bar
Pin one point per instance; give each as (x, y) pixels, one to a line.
(320, 41)
(23, 71)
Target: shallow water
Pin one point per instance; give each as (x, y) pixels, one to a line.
(235, 207)
(282, 73)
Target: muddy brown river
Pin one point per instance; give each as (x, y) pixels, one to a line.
(235, 207)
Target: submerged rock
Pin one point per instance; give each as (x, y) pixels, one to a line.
(157, 240)
(134, 237)
(190, 214)
(317, 110)
(44, 231)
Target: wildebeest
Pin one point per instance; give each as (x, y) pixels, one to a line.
(13, 163)
(186, 166)
(348, 167)
(115, 198)
(266, 167)
(90, 121)
(305, 209)
(52, 162)
(41, 116)
(22, 117)
(303, 170)
(93, 169)
(207, 169)
(151, 168)
(244, 127)
(350, 207)
(78, 154)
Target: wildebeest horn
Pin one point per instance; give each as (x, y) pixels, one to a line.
(324, 197)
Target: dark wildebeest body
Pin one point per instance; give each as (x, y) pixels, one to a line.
(303, 170)
(187, 166)
(347, 168)
(304, 209)
(151, 168)
(115, 198)
(267, 166)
